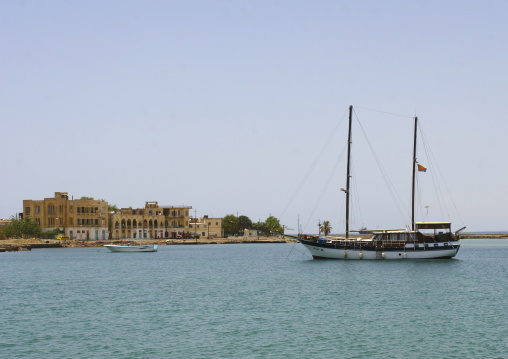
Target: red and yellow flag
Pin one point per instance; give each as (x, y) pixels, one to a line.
(421, 168)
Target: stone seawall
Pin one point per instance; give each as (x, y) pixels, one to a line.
(9, 245)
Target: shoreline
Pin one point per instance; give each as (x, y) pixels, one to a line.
(20, 244)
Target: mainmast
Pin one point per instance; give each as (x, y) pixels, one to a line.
(414, 175)
(348, 169)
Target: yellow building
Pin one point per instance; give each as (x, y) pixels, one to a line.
(206, 227)
(153, 221)
(82, 219)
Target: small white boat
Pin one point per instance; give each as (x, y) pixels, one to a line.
(132, 247)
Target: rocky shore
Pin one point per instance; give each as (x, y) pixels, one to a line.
(19, 244)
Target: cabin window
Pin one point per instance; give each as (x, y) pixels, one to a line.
(436, 245)
(446, 244)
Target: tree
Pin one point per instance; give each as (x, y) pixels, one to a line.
(87, 198)
(261, 227)
(273, 225)
(22, 228)
(268, 227)
(230, 225)
(325, 228)
(112, 208)
(244, 222)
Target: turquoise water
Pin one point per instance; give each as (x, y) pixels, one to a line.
(252, 301)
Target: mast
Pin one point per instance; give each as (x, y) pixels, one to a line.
(348, 169)
(414, 175)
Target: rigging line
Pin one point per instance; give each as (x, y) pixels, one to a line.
(356, 210)
(387, 113)
(437, 187)
(313, 165)
(388, 183)
(419, 201)
(326, 186)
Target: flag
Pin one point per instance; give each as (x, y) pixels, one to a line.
(422, 169)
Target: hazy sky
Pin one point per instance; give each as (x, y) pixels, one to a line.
(225, 105)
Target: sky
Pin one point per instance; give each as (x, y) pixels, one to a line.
(226, 106)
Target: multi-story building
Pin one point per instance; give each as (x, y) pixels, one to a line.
(78, 218)
(206, 227)
(153, 221)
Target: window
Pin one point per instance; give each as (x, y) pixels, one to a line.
(96, 222)
(203, 234)
(27, 211)
(70, 209)
(37, 209)
(78, 222)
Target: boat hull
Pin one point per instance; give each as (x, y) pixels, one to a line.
(133, 248)
(335, 251)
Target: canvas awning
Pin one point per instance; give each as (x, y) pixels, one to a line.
(433, 225)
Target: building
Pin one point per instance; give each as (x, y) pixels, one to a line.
(206, 227)
(81, 219)
(250, 233)
(153, 221)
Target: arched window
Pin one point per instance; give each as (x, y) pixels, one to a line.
(145, 223)
(134, 223)
(116, 224)
(150, 224)
(123, 223)
(155, 223)
(128, 223)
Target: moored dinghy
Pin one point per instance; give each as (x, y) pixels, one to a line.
(132, 247)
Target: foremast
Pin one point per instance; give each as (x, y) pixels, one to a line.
(414, 177)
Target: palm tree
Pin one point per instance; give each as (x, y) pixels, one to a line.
(326, 228)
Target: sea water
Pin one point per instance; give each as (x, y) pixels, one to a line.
(252, 301)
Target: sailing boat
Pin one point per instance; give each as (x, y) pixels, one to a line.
(387, 244)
